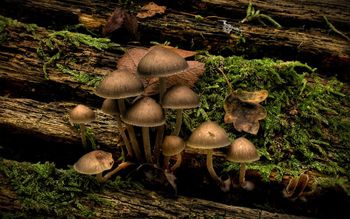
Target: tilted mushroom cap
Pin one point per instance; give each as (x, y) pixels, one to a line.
(119, 84)
(161, 62)
(145, 112)
(172, 145)
(208, 135)
(81, 114)
(110, 106)
(180, 97)
(94, 162)
(242, 151)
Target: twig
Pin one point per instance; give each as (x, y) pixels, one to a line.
(330, 25)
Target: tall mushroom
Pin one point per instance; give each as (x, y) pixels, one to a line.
(208, 136)
(242, 151)
(179, 97)
(82, 114)
(119, 85)
(172, 146)
(161, 62)
(110, 107)
(145, 113)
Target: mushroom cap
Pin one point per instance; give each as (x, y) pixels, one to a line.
(208, 135)
(94, 162)
(161, 62)
(172, 145)
(145, 112)
(81, 114)
(119, 84)
(242, 151)
(110, 106)
(180, 97)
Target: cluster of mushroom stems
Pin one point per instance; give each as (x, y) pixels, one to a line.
(145, 112)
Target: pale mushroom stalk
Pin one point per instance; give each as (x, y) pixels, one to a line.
(132, 135)
(157, 145)
(177, 163)
(82, 134)
(147, 144)
(242, 170)
(120, 167)
(210, 167)
(124, 137)
(162, 87)
(178, 121)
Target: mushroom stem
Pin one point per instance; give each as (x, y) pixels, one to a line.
(211, 168)
(178, 122)
(162, 88)
(134, 143)
(166, 162)
(242, 171)
(82, 135)
(121, 166)
(159, 140)
(177, 163)
(147, 144)
(124, 137)
(121, 105)
(99, 178)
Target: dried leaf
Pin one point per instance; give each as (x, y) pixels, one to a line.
(131, 25)
(189, 77)
(115, 21)
(183, 53)
(252, 97)
(150, 10)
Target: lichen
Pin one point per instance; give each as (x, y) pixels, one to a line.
(44, 189)
(307, 123)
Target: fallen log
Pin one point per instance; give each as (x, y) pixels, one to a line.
(329, 53)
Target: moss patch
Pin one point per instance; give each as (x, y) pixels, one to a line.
(307, 127)
(45, 190)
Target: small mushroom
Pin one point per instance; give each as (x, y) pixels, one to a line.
(161, 62)
(119, 85)
(110, 107)
(82, 114)
(207, 136)
(172, 146)
(179, 97)
(145, 113)
(94, 162)
(242, 151)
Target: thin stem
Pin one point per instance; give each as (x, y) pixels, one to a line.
(177, 163)
(178, 122)
(162, 88)
(134, 143)
(147, 144)
(166, 162)
(99, 178)
(124, 137)
(211, 168)
(330, 25)
(158, 143)
(82, 135)
(121, 166)
(121, 105)
(242, 170)
(230, 88)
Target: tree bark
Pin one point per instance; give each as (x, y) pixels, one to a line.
(135, 203)
(304, 36)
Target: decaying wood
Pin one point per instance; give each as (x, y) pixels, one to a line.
(135, 203)
(328, 52)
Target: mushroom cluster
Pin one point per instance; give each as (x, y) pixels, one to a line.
(148, 114)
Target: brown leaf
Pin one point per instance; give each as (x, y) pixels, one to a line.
(131, 25)
(189, 77)
(115, 21)
(252, 97)
(183, 53)
(150, 10)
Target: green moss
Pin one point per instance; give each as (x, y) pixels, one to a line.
(8, 22)
(307, 123)
(43, 189)
(81, 77)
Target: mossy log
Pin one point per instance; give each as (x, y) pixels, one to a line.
(134, 203)
(304, 36)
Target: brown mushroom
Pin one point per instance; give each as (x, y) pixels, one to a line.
(119, 85)
(179, 97)
(172, 146)
(80, 115)
(145, 113)
(207, 136)
(242, 151)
